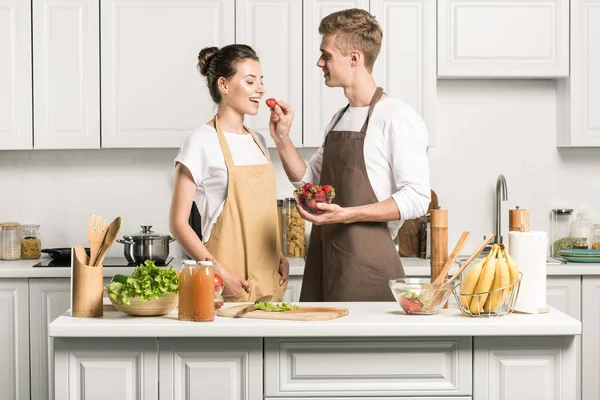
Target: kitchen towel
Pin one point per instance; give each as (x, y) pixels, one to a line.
(529, 249)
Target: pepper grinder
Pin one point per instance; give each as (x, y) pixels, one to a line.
(439, 241)
(518, 220)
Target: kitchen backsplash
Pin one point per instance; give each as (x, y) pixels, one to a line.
(484, 128)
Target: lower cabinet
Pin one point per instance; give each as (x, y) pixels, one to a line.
(590, 290)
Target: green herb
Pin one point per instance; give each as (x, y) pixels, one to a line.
(268, 306)
(146, 282)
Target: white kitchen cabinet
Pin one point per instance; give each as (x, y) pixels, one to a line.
(564, 294)
(48, 299)
(66, 74)
(274, 30)
(14, 339)
(578, 98)
(313, 367)
(320, 101)
(292, 292)
(406, 65)
(371, 398)
(503, 38)
(226, 368)
(152, 92)
(96, 369)
(15, 75)
(590, 337)
(524, 368)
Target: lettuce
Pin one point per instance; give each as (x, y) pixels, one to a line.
(268, 306)
(147, 282)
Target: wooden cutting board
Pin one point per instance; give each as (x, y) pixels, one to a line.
(302, 314)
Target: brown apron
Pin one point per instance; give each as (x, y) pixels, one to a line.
(350, 262)
(245, 238)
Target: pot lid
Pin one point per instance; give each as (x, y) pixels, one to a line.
(146, 233)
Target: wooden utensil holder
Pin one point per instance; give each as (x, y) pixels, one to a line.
(86, 286)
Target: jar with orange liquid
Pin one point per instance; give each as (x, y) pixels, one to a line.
(187, 290)
(205, 291)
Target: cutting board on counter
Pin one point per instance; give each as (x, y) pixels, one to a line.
(301, 314)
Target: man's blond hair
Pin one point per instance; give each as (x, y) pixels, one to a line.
(354, 29)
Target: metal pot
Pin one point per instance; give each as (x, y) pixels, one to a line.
(146, 245)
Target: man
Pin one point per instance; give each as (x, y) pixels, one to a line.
(374, 155)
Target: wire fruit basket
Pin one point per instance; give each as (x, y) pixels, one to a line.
(494, 303)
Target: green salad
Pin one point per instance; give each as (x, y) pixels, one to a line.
(268, 306)
(146, 282)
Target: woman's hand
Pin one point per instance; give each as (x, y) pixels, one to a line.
(233, 284)
(284, 269)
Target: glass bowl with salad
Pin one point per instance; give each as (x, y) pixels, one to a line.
(419, 295)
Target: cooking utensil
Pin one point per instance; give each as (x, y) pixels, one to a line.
(246, 309)
(96, 232)
(109, 239)
(457, 249)
(86, 286)
(301, 314)
(62, 253)
(146, 245)
(472, 257)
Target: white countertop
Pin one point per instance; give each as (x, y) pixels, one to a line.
(412, 267)
(364, 319)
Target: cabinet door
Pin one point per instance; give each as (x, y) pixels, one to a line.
(106, 368)
(564, 294)
(152, 92)
(66, 74)
(320, 101)
(15, 75)
(14, 339)
(503, 38)
(48, 299)
(274, 30)
(578, 98)
(406, 66)
(191, 368)
(292, 293)
(590, 337)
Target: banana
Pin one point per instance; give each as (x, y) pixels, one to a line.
(467, 286)
(501, 280)
(484, 284)
(512, 267)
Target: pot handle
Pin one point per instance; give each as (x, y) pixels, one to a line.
(124, 241)
(171, 239)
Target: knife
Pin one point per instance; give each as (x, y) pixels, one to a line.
(249, 308)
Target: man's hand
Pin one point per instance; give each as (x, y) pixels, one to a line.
(281, 121)
(284, 269)
(332, 214)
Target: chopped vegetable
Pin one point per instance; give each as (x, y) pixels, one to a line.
(268, 306)
(146, 282)
(413, 302)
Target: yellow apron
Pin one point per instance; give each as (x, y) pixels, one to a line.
(245, 238)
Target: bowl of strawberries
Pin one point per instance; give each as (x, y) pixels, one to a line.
(309, 195)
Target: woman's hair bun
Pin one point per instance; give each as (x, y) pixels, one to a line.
(205, 56)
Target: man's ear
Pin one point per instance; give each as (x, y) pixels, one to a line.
(355, 57)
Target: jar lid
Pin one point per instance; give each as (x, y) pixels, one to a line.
(10, 226)
(562, 211)
(188, 262)
(279, 202)
(205, 263)
(146, 233)
(30, 226)
(290, 199)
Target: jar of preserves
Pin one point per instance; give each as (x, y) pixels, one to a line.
(187, 291)
(205, 291)
(11, 240)
(295, 230)
(31, 243)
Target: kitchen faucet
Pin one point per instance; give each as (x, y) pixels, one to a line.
(500, 190)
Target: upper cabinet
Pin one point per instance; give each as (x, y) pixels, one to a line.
(578, 98)
(15, 75)
(66, 74)
(503, 38)
(406, 65)
(152, 93)
(274, 30)
(320, 102)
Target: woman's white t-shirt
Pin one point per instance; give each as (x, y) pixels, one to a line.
(202, 155)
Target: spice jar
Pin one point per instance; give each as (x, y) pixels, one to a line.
(295, 231)
(11, 240)
(561, 230)
(581, 231)
(187, 292)
(31, 242)
(205, 291)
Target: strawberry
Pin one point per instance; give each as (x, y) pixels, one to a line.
(311, 204)
(319, 196)
(411, 306)
(328, 189)
(271, 103)
(218, 282)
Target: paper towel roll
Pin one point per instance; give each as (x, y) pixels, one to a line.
(529, 249)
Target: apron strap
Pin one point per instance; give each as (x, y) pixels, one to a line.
(339, 117)
(376, 97)
(264, 151)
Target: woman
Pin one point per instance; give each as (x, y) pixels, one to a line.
(228, 168)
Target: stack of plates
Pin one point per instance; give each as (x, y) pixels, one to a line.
(581, 256)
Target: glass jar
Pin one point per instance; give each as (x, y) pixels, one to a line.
(581, 231)
(560, 228)
(595, 241)
(295, 230)
(205, 291)
(31, 242)
(187, 292)
(280, 221)
(11, 240)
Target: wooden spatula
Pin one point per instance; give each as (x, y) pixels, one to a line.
(109, 238)
(457, 249)
(96, 232)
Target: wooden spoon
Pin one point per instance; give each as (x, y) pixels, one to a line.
(96, 232)
(457, 249)
(475, 253)
(111, 235)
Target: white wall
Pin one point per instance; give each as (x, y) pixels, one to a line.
(484, 128)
